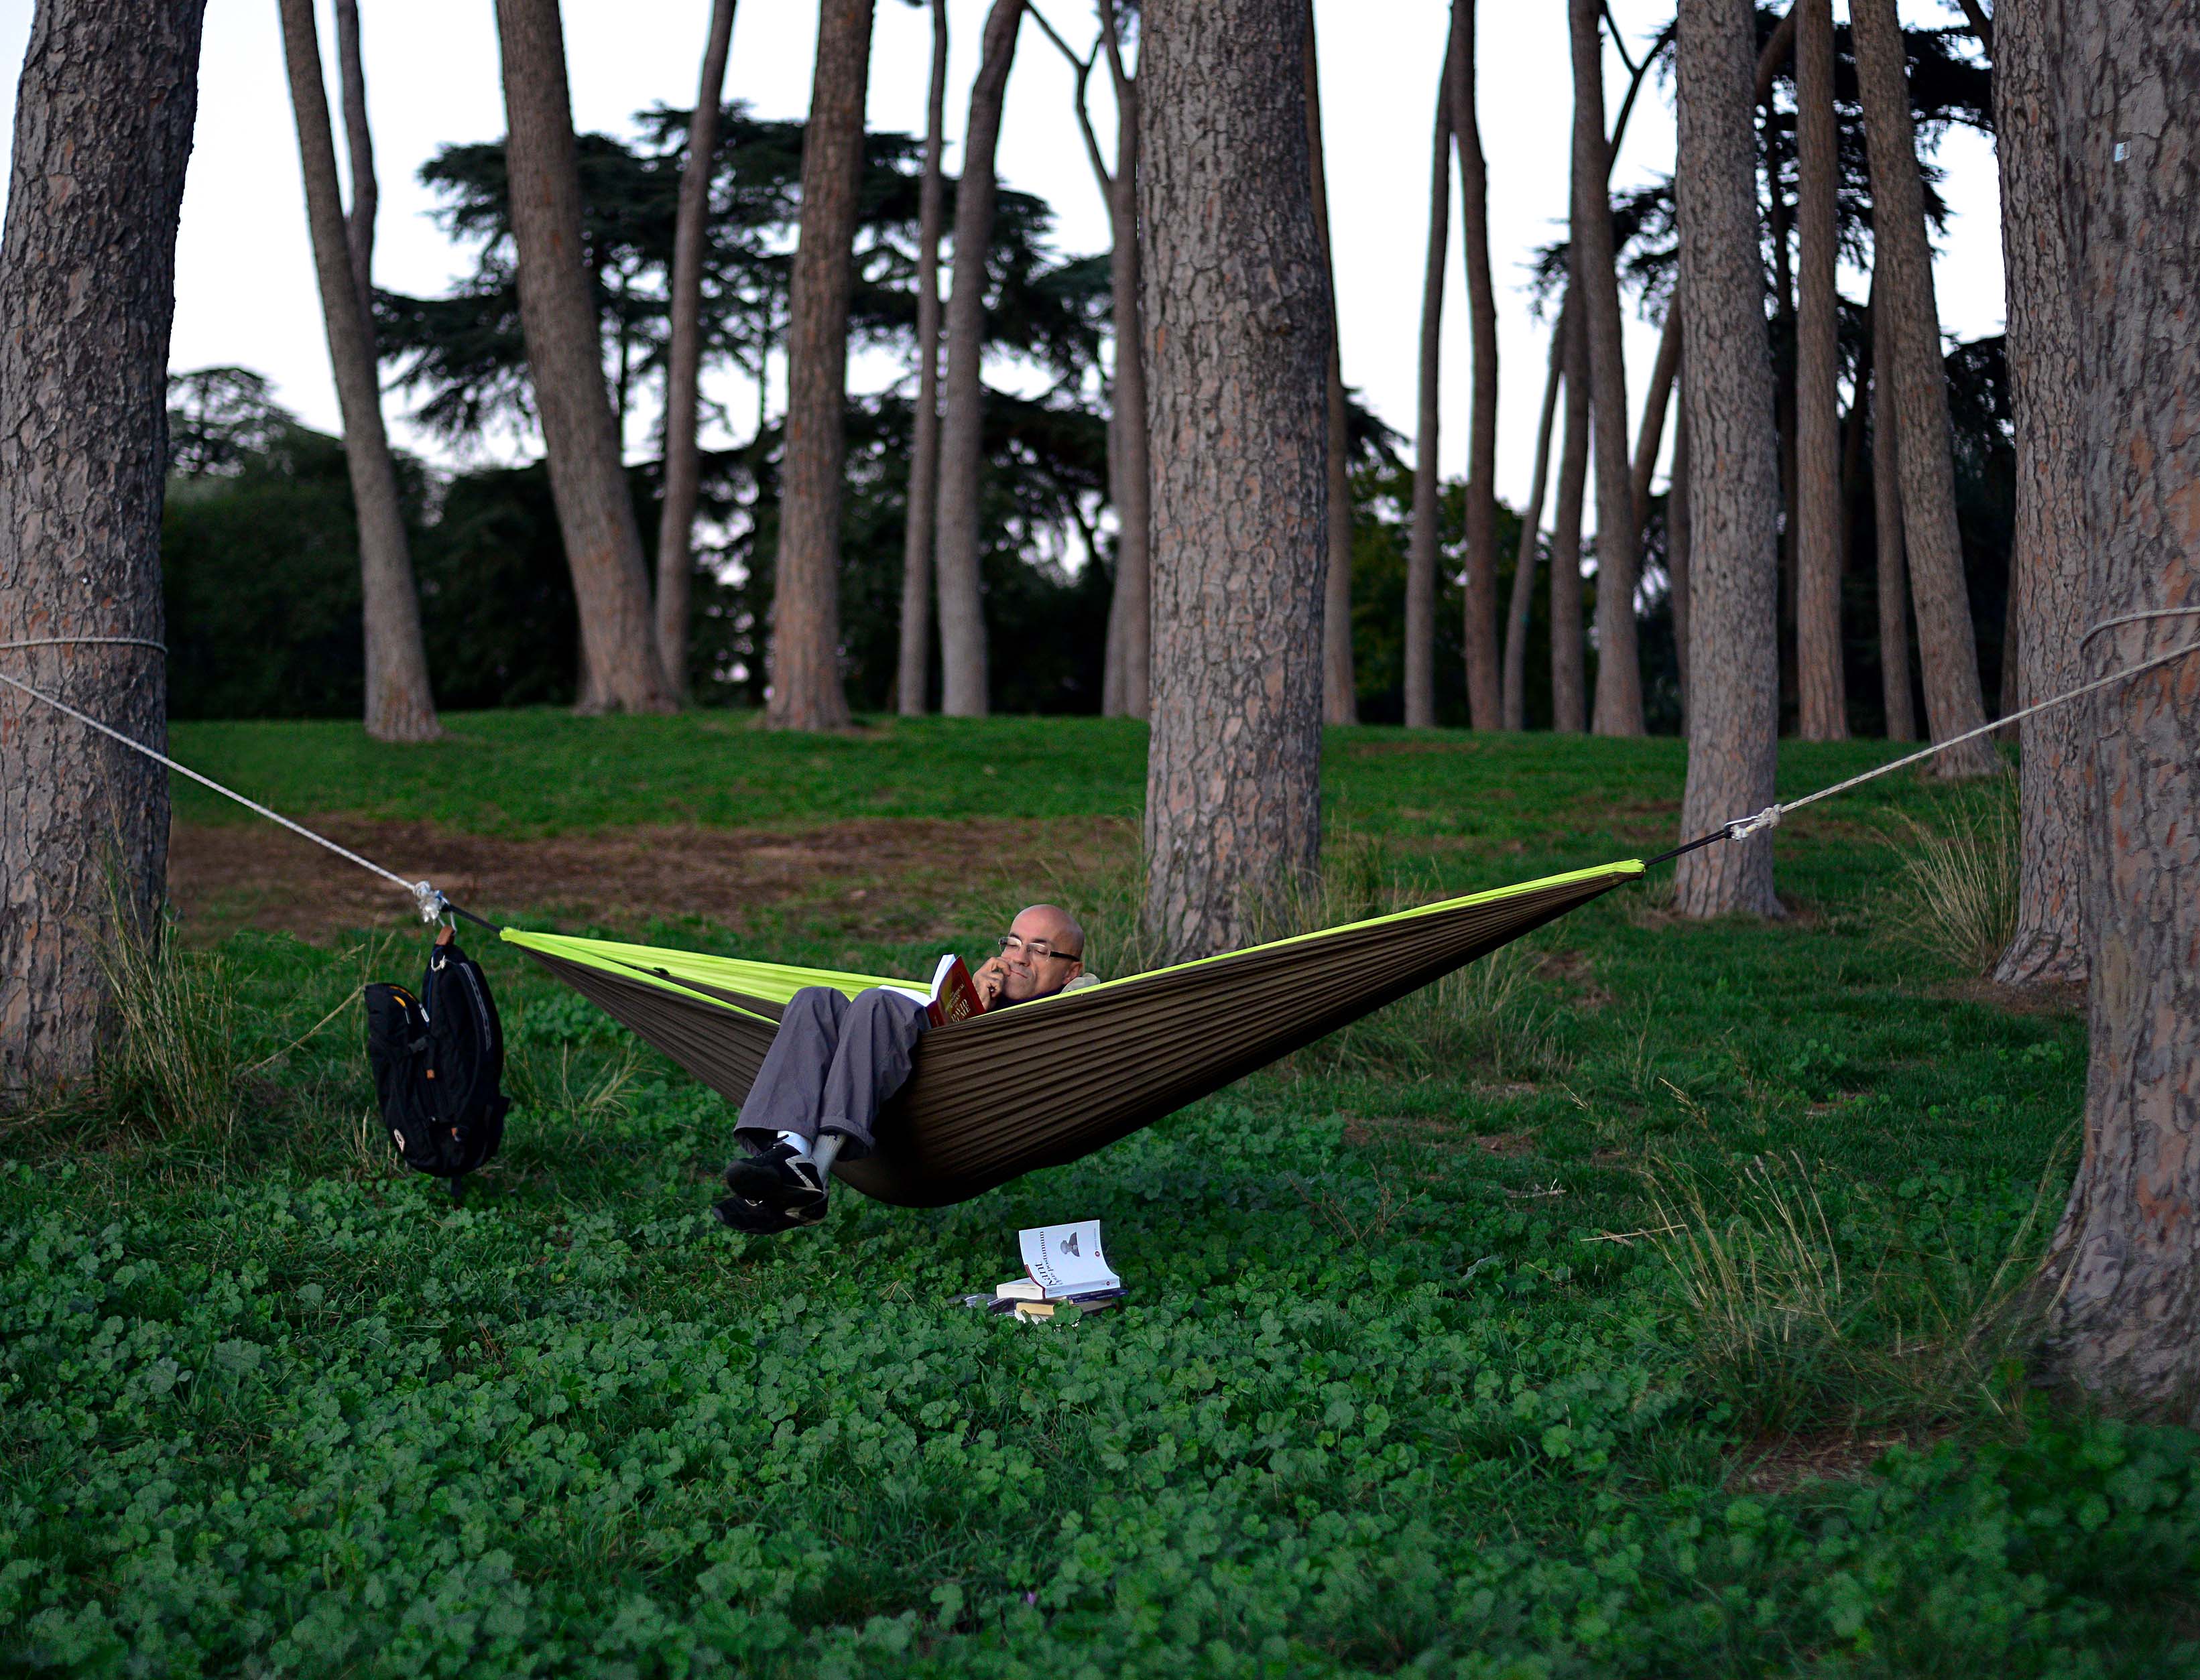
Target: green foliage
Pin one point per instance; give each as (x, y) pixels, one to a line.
(1392, 1393)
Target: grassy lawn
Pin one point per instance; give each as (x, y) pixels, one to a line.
(1640, 1302)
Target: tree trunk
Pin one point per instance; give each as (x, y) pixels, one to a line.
(103, 118)
(1484, 674)
(1893, 567)
(1818, 387)
(1596, 286)
(1131, 617)
(2049, 562)
(1680, 544)
(564, 352)
(2127, 1260)
(359, 147)
(1518, 611)
(914, 678)
(1734, 486)
(1650, 434)
(683, 464)
(1424, 551)
(1339, 701)
(1569, 696)
(806, 689)
(1236, 318)
(1918, 378)
(965, 685)
(399, 704)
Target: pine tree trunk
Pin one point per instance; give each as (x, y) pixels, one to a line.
(1596, 284)
(1424, 550)
(1680, 547)
(1236, 318)
(1522, 605)
(913, 682)
(965, 685)
(1339, 700)
(1484, 674)
(1131, 619)
(103, 118)
(1650, 434)
(1914, 371)
(2050, 559)
(1569, 689)
(1733, 488)
(399, 704)
(1819, 679)
(359, 147)
(565, 353)
(2127, 1260)
(806, 689)
(1893, 567)
(683, 372)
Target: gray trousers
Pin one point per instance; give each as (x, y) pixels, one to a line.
(834, 1063)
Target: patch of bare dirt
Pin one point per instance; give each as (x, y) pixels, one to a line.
(1571, 968)
(2043, 1000)
(1784, 1463)
(877, 876)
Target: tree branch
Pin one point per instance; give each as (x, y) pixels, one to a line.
(1083, 67)
(1975, 12)
(1619, 44)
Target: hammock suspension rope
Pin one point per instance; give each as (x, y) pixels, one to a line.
(432, 905)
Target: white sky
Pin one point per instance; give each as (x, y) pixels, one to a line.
(245, 286)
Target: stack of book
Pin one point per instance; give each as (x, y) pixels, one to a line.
(1064, 1266)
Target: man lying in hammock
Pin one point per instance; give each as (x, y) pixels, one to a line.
(836, 1060)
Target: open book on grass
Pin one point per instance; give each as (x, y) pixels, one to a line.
(1062, 1262)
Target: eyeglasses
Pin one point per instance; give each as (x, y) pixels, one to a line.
(1010, 944)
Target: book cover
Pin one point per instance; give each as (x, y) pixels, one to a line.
(954, 993)
(1067, 1260)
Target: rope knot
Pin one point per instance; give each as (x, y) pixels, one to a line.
(1742, 828)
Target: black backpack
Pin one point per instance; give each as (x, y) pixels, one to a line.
(437, 1060)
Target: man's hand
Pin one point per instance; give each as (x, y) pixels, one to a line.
(990, 979)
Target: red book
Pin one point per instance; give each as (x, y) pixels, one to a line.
(954, 993)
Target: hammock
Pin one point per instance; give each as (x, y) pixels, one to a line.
(1127, 1052)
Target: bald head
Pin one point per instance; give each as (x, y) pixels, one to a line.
(1025, 972)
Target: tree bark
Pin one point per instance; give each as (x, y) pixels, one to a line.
(1339, 700)
(1519, 610)
(964, 684)
(564, 352)
(1596, 285)
(2127, 1260)
(1569, 695)
(1819, 680)
(806, 689)
(1734, 486)
(914, 677)
(683, 370)
(1680, 544)
(1130, 612)
(1484, 674)
(1914, 371)
(103, 118)
(359, 148)
(2049, 560)
(1893, 567)
(399, 704)
(1424, 550)
(1237, 316)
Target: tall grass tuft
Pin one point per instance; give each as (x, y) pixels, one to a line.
(1958, 896)
(1791, 1335)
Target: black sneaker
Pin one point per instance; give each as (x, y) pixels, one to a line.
(778, 1178)
(761, 1219)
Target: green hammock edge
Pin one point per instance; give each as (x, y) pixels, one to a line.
(778, 982)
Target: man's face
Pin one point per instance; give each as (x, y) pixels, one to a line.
(1027, 974)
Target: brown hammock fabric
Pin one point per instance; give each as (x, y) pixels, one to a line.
(1114, 1057)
